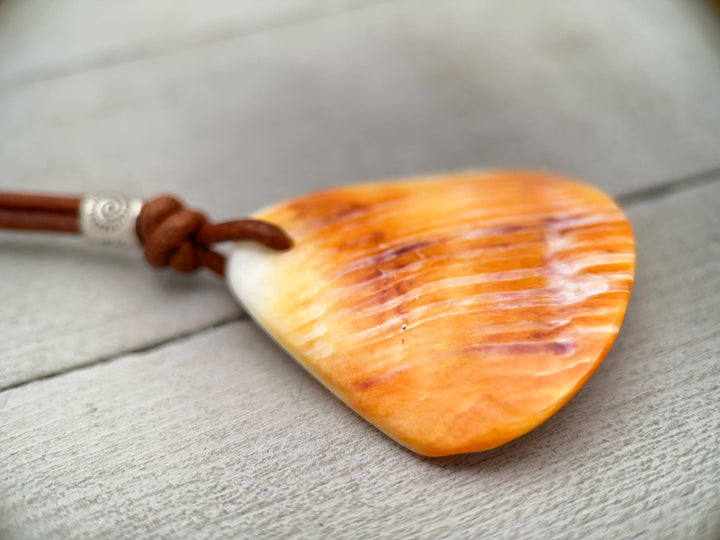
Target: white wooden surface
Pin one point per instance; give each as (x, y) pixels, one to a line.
(138, 404)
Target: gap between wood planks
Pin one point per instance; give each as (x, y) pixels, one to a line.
(668, 188)
(633, 198)
(148, 347)
(138, 53)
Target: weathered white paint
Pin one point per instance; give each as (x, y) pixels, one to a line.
(221, 434)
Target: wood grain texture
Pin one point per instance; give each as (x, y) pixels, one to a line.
(392, 90)
(66, 303)
(454, 312)
(224, 435)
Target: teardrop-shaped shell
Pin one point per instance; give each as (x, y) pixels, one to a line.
(454, 313)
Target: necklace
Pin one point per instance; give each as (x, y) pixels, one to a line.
(455, 313)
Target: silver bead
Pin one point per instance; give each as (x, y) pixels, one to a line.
(110, 218)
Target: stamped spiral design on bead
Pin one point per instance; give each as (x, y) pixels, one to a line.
(110, 213)
(110, 218)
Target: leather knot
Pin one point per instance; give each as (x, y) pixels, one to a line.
(180, 238)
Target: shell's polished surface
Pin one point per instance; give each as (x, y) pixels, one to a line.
(455, 313)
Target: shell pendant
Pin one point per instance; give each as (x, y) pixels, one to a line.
(455, 313)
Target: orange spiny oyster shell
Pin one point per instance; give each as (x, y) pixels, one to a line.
(454, 313)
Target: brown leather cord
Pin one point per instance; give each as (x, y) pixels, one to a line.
(171, 234)
(39, 203)
(20, 211)
(36, 221)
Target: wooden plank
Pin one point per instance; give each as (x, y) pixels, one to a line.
(66, 304)
(399, 88)
(382, 92)
(222, 435)
(41, 40)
